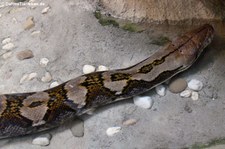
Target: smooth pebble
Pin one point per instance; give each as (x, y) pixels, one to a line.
(194, 95)
(29, 23)
(14, 20)
(35, 33)
(42, 140)
(178, 85)
(45, 10)
(25, 54)
(28, 77)
(6, 40)
(186, 93)
(88, 69)
(31, 76)
(160, 90)
(112, 131)
(145, 102)
(129, 122)
(78, 128)
(102, 68)
(24, 78)
(47, 77)
(44, 62)
(54, 84)
(195, 85)
(7, 55)
(8, 46)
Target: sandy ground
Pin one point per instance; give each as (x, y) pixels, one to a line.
(71, 37)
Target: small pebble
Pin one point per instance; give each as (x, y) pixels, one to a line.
(102, 68)
(8, 46)
(161, 90)
(14, 20)
(78, 128)
(28, 77)
(195, 85)
(6, 40)
(130, 122)
(24, 78)
(194, 95)
(31, 76)
(88, 69)
(54, 84)
(112, 131)
(25, 54)
(44, 62)
(0, 15)
(45, 10)
(35, 33)
(178, 85)
(47, 77)
(29, 23)
(42, 140)
(186, 93)
(145, 102)
(7, 55)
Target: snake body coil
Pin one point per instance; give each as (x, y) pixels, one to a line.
(26, 113)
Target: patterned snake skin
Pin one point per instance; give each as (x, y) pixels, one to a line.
(25, 113)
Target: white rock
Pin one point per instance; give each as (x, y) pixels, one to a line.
(8, 46)
(7, 55)
(24, 78)
(45, 10)
(31, 76)
(47, 77)
(112, 131)
(42, 140)
(129, 122)
(102, 68)
(54, 84)
(35, 33)
(0, 15)
(28, 77)
(14, 20)
(194, 95)
(143, 102)
(195, 85)
(6, 40)
(44, 62)
(88, 69)
(78, 128)
(186, 93)
(160, 90)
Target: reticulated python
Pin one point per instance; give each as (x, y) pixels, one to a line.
(26, 113)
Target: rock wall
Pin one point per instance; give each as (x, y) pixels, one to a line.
(161, 11)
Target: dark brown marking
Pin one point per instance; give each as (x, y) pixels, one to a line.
(97, 94)
(140, 86)
(58, 111)
(35, 104)
(147, 68)
(120, 76)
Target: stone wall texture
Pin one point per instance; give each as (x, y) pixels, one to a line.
(160, 11)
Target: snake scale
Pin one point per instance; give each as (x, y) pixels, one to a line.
(26, 113)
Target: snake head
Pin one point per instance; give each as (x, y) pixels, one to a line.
(192, 43)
